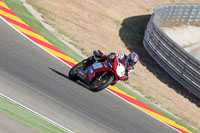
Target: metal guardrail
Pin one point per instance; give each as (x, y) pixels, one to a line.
(182, 66)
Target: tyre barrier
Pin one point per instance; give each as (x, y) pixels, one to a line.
(181, 65)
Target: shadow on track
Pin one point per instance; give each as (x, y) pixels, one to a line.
(132, 34)
(65, 76)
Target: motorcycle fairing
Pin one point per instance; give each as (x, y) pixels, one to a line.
(97, 65)
(91, 73)
(120, 70)
(95, 68)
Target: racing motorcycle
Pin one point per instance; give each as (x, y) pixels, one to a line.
(99, 75)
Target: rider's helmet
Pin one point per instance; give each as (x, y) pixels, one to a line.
(132, 59)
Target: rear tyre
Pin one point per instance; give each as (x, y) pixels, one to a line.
(74, 70)
(97, 86)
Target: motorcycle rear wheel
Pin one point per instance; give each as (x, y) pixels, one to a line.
(74, 70)
(105, 83)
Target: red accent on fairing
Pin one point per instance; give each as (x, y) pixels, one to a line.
(106, 68)
(103, 69)
(91, 76)
(115, 64)
(114, 71)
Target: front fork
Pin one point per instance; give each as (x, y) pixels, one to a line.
(102, 76)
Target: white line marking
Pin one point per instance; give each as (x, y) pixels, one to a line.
(70, 67)
(43, 117)
(34, 112)
(143, 111)
(31, 40)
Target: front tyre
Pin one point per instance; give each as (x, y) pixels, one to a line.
(98, 85)
(74, 70)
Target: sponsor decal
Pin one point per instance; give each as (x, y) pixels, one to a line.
(91, 70)
(97, 65)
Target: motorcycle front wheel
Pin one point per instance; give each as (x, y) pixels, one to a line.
(74, 70)
(98, 85)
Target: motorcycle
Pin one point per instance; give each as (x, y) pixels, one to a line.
(99, 75)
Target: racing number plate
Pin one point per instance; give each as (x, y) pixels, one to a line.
(97, 65)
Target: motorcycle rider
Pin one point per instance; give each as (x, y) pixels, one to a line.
(127, 60)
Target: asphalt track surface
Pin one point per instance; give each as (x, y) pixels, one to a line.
(39, 81)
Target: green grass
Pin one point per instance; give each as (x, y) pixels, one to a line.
(29, 119)
(149, 104)
(22, 12)
(17, 7)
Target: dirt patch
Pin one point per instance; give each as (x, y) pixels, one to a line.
(50, 28)
(118, 25)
